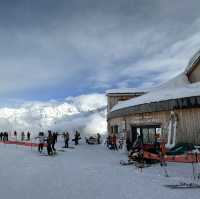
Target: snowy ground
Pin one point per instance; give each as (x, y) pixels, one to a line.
(86, 172)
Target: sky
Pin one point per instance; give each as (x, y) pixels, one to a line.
(59, 55)
(53, 49)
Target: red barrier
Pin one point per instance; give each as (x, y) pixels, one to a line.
(186, 158)
(28, 144)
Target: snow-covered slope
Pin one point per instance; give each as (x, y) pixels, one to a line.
(86, 172)
(86, 113)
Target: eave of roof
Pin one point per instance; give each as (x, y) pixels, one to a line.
(172, 104)
(161, 94)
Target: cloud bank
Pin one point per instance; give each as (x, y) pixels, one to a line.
(86, 113)
(50, 49)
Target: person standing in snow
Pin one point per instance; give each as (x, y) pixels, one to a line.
(98, 138)
(1, 136)
(114, 142)
(22, 136)
(76, 137)
(108, 142)
(28, 136)
(54, 138)
(41, 141)
(5, 137)
(66, 139)
(15, 135)
(49, 143)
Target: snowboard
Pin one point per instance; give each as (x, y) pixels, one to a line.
(183, 186)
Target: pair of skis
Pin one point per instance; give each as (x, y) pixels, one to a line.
(135, 163)
(183, 185)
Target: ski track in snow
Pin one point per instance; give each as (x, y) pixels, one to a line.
(86, 172)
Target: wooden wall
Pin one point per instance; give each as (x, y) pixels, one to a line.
(113, 100)
(188, 127)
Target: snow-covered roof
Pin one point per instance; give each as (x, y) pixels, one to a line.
(125, 91)
(192, 62)
(189, 90)
(179, 87)
(177, 81)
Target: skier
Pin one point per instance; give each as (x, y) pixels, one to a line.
(22, 136)
(28, 136)
(49, 143)
(98, 138)
(5, 136)
(54, 138)
(114, 142)
(108, 142)
(66, 139)
(15, 134)
(128, 144)
(41, 141)
(1, 136)
(76, 137)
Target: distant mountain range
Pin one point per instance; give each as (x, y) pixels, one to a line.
(86, 113)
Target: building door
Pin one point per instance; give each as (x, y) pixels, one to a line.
(148, 133)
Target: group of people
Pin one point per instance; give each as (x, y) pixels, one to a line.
(112, 142)
(28, 135)
(77, 137)
(4, 136)
(50, 140)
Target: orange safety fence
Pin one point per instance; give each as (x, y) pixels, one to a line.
(28, 144)
(186, 158)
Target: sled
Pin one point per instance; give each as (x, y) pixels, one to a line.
(183, 186)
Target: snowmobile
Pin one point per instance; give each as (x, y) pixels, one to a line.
(91, 140)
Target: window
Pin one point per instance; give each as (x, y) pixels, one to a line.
(114, 129)
(149, 133)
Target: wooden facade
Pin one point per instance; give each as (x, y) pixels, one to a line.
(157, 115)
(114, 98)
(188, 125)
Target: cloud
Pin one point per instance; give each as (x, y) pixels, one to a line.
(86, 113)
(89, 46)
